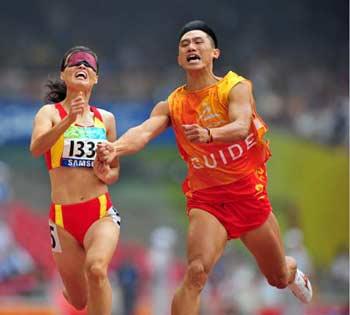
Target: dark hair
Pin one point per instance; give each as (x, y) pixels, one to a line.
(57, 90)
(199, 25)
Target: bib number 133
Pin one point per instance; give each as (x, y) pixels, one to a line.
(80, 149)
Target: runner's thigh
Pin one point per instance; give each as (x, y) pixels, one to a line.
(101, 240)
(266, 245)
(206, 239)
(70, 264)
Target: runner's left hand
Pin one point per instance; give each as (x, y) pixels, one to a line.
(101, 169)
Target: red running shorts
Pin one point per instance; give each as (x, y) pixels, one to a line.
(241, 206)
(77, 218)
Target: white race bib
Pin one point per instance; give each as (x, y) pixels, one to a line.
(79, 152)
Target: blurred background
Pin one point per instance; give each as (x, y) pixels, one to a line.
(297, 55)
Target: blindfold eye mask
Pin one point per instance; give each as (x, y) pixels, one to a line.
(82, 57)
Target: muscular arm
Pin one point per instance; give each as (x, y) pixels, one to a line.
(136, 138)
(44, 135)
(240, 114)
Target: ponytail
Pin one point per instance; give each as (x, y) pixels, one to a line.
(57, 91)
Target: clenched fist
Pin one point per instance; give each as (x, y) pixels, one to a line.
(105, 152)
(197, 134)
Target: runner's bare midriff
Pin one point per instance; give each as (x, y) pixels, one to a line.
(74, 185)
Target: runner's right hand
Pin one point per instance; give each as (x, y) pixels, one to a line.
(76, 107)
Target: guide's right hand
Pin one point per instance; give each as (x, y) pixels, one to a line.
(105, 152)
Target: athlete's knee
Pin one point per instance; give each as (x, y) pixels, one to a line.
(96, 271)
(196, 275)
(79, 304)
(279, 280)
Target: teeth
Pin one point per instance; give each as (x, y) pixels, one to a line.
(193, 57)
(81, 73)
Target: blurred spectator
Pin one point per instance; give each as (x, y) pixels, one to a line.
(5, 187)
(340, 271)
(14, 260)
(161, 256)
(128, 279)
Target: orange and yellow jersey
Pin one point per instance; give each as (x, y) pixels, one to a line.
(76, 147)
(215, 164)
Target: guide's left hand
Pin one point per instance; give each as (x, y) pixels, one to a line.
(196, 133)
